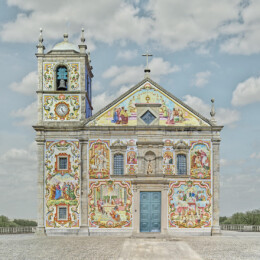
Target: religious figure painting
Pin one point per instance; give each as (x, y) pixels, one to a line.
(168, 160)
(99, 159)
(110, 204)
(131, 157)
(125, 111)
(200, 160)
(62, 188)
(189, 204)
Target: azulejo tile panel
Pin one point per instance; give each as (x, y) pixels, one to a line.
(49, 75)
(99, 159)
(189, 204)
(200, 159)
(110, 204)
(61, 107)
(125, 111)
(62, 186)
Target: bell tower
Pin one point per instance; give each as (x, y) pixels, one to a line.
(65, 77)
(64, 103)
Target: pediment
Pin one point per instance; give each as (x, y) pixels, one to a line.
(130, 108)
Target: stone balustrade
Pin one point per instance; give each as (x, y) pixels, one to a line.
(17, 230)
(240, 227)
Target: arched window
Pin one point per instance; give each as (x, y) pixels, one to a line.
(181, 164)
(62, 78)
(118, 164)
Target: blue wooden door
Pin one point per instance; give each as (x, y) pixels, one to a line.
(150, 211)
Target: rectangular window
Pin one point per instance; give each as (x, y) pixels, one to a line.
(63, 163)
(118, 164)
(181, 164)
(63, 213)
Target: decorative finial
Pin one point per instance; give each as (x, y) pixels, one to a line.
(212, 112)
(40, 38)
(40, 46)
(65, 36)
(82, 36)
(147, 70)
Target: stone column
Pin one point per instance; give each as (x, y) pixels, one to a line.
(215, 182)
(84, 230)
(40, 183)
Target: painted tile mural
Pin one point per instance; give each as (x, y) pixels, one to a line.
(200, 157)
(125, 112)
(189, 204)
(62, 184)
(63, 107)
(49, 75)
(168, 158)
(99, 159)
(131, 158)
(74, 80)
(110, 204)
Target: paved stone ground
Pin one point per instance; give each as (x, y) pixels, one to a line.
(231, 245)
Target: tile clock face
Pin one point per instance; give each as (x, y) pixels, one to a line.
(62, 109)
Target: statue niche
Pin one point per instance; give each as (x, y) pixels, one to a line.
(150, 163)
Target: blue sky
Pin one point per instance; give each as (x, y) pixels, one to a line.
(201, 49)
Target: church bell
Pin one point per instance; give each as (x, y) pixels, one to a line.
(62, 85)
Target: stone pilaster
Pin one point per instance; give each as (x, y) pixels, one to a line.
(136, 210)
(84, 188)
(40, 184)
(215, 181)
(164, 213)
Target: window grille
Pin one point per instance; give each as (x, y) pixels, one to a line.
(118, 164)
(62, 77)
(148, 117)
(181, 164)
(62, 213)
(63, 163)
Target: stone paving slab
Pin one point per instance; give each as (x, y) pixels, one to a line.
(138, 249)
(231, 245)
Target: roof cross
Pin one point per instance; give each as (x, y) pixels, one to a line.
(147, 56)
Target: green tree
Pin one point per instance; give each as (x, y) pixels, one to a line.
(25, 222)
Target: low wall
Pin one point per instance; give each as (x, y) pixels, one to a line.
(17, 230)
(240, 227)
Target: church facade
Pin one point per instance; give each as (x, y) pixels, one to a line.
(146, 162)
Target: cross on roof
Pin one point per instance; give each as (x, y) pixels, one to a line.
(147, 55)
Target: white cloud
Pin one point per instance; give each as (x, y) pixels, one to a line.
(18, 156)
(244, 34)
(246, 92)
(179, 24)
(28, 114)
(224, 116)
(127, 75)
(127, 54)
(201, 78)
(103, 99)
(255, 155)
(18, 170)
(202, 50)
(27, 86)
(171, 24)
(105, 21)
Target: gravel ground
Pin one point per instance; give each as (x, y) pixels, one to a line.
(231, 245)
(29, 246)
